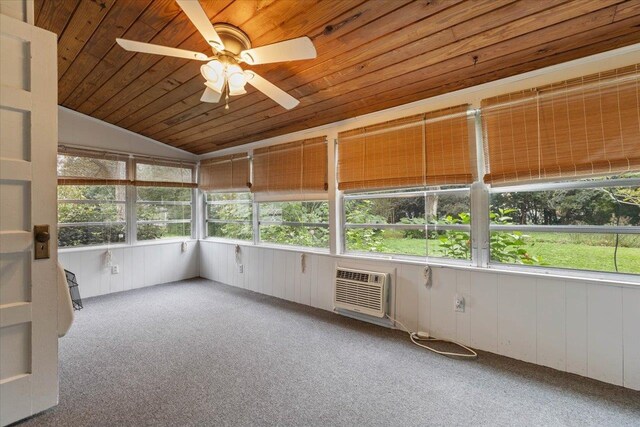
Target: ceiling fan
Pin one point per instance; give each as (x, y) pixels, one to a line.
(231, 47)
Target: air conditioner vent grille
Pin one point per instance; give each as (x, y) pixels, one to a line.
(352, 275)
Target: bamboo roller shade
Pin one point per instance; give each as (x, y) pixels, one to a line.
(425, 149)
(299, 166)
(78, 167)
(87, 167)
(159, 173)
(227, 173)
(575, 128)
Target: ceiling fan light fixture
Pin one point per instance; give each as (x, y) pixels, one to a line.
(236, 77)
(233, 91)
(217, 86)
(212, 71)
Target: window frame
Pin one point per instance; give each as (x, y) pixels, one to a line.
(131, 221)
(124, 203)
(292, 199)
(400, 194)
(134, 208)
(585, 183)
(206, 220)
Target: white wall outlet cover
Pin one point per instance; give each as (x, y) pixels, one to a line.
(459, 303)
(183, 247)
(240, 268)
(115, 269)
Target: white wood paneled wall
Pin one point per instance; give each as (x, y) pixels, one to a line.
(585, 328)
(140, 266)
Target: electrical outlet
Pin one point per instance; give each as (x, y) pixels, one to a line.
(240, 268)
(115, 269)
(458, 304)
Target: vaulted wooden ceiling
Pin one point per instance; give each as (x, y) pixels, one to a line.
(372, 55)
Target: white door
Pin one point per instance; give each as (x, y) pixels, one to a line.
(28, 292)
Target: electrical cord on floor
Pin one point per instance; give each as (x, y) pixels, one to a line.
(416, 337)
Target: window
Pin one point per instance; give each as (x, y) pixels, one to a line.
(586, 225)
(295, 223)
(163, 199)
(96, 198)
(434, 154)
(163, 212)
(91, 215)
(229, 215)
(433, 223)
(91, 198)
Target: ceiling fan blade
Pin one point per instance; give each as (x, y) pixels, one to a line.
(288, 50)
(271, 90)
(200, 20)
(156, 49)
(210, 95)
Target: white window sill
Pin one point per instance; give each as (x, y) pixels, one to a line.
(289, 248)
(125, 245)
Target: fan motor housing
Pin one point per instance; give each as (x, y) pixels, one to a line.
(235, 40)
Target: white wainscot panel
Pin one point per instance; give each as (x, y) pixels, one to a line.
(551, 323)
(116, 281)
(305, 279)
(265, 284)
(463, 290)
(604, 328)
(631, 327)
(206, 260)
(312, 262)
(93, 273)
(253, 265)
(576, 327)
(326, 271)
(138, 266)
(220, 263)
(291, 258)
(279, 274)
(517, 317)
(409, 280)
(443, 292)
(483, 311)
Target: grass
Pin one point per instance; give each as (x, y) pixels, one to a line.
(582, 252)
(587, 257)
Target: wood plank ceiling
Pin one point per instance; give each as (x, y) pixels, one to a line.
(372, 55)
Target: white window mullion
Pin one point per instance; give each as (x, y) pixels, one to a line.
(335, 225)
(131, 215)
(256, 222)
(480, 233)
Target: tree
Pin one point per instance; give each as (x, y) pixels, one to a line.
(102, 211)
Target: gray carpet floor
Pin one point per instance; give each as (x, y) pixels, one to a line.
(200, 353)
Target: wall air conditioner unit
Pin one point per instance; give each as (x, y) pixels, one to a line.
(361, 291)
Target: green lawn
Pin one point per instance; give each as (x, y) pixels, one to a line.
(554, 249)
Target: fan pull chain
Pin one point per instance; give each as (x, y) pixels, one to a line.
(226, 99)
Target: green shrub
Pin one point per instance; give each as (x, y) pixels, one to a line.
(413, 234)
(364, 239)
(510, 247)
